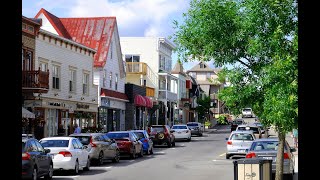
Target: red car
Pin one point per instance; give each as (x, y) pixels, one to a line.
(162, 135)
(127, 142)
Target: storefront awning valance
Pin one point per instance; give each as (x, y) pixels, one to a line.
(27, 114)
(139, 101)
(149, 103)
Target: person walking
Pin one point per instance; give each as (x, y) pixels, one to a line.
(77, 129)
(295, 137)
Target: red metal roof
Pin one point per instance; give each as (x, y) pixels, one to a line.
(93, 32)
(115, 94)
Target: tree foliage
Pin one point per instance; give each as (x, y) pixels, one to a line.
(259, 39)
(203, 106)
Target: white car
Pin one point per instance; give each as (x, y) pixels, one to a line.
(247, 112)
(238, 143)
(181, 131)
(68, 153)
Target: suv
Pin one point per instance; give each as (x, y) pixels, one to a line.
(161, 134)
(100, 147)
(196, 128)
(247, 112)
(239, 142)
(36, 161)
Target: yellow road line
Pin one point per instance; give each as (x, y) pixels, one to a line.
(222, 154)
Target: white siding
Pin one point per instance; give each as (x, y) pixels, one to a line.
(66, 58)
(46, 25)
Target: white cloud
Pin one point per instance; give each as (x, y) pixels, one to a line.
(141, 17)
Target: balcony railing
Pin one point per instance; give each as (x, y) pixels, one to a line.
(136, 68)
(35, 81)
(171, 96)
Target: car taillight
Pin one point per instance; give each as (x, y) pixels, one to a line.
(145, 140)
(25, 156)
(65, 153)
(92, 144)
(285, 156)
(251, 155)
(229, 142)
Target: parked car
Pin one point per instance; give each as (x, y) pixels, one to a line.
(36, 162)
(162, 135)
(235, 124)
(264, 130)
(67, 153)
(267, 148)
(28, 136)
(181, 131)
(100, 147)
(256, 129)
(238, 143)
(247, 112)
(147, 143)
(196, 128)
(127, 142)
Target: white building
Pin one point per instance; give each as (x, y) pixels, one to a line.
(101, 34)
(149, 63)
(71, 88)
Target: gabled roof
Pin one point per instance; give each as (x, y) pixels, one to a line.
(178, 69)
(94, 32)
(201, 67)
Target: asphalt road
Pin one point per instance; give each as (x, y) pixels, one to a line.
(203, 158)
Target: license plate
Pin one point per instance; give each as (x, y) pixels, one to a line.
(179, 132)
(241, 150)
(268, 158)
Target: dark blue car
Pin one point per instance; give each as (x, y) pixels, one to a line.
(147, 143)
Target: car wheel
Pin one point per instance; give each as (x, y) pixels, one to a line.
(201, 134)
(174, 143)
(151, 150)
(34, 175)
(116, 159)
(76, 168)
(100, 158)
(169, 143)
(189, 139)
(87, 168)
(50, 173)
(227, 156)
(141, 153)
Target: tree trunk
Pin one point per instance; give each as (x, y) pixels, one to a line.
(279, 163)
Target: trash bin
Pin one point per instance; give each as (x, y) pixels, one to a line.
(252, 169)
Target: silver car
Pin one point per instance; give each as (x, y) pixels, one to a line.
(238, 143)
(196, 128)
(267, 148)
(256, 129)
(100, 147)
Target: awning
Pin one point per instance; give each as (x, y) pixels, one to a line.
(149, 103)
(27, 114)
(139, 100)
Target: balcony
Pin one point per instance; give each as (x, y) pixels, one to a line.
(136, 68)
(35, 81)
(150, 92)
(167, 95)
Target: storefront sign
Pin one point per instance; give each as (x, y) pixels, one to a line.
(105, 102)
(82, 106)
(55, 104)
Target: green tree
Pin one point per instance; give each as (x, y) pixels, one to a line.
(203, 107)
(259, 39)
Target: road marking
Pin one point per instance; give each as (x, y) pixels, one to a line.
(172, 148)
(182, 144)
(65, 176)
(131, 160)
(222, 154)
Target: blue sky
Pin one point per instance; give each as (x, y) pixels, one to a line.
(134, 17)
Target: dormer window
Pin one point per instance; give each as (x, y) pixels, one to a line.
(202, 65)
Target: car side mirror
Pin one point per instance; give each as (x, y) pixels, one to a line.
(47, 151)
(293, 150)
(227, 139)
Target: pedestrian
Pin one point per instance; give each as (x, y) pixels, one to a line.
(77, 129)
(295, 137)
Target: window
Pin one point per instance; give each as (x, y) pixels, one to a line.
(209, 75)
(40, 148)
(132, 58)
(24, 26)
(85, 84)
(30, 29)
(55, 77)
(111, 49)
(43, 66)
(72, 80)
(27, 60)
(116, 83)
(79, 144)
(75, 144)
(104, 79)
(110, 79)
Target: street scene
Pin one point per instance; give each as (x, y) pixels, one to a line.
(137, 89)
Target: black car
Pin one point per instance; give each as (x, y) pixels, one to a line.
(235, 124)
(162, 135)
(36, 161)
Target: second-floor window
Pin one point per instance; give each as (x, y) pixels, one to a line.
(55, 77)
(72, 80)
(110, 79)
(43, 66)
(116, 82)
(132, 58)
(85, 84)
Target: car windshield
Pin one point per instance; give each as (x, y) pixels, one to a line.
(246, 110)
(179, 127)
(192, 124)
(254, 129)
(85, 140)
(238, 122)
(242, 136)
(139, 134)
(264, 146)
(118, 135)
(55, 143)
(157, 129)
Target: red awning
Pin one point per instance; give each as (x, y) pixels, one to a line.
(149, 103)
(139, 100)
